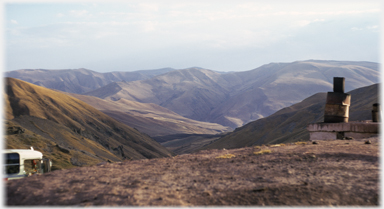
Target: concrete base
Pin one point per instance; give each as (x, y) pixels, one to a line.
(355, 129)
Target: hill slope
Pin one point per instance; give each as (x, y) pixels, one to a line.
(289, 124)
(234, 99)
(68, 130)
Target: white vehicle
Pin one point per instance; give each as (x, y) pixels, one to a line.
(20, 163)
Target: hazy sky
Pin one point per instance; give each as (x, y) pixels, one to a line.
(218, 35)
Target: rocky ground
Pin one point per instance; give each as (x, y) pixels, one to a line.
(332, 172)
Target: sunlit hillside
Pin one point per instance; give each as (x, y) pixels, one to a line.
(51, 121)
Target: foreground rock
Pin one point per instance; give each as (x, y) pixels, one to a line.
(336, 172)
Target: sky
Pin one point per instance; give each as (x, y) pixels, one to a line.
(222, 35)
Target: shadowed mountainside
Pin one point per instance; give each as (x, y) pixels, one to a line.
(69, 131)
(79, 80)
(191, 92)
(289, 124)
(234, 99)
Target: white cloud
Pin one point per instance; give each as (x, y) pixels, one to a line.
(14, 22)
(148, 7)
(356, 29)
(80, 13)
(303, 23)
(254, 6)
(373, 27)
(148, 26)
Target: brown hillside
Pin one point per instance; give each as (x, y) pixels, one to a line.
(289, 124)
(82, 133)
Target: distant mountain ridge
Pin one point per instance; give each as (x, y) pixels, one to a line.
(234, 99)
(231, 99)
(79, 80)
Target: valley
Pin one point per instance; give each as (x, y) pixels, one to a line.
(150, 118)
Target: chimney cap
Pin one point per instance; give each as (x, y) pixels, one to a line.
(338, 84)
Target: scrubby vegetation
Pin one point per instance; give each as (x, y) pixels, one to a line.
(226, 156)
(265, 151)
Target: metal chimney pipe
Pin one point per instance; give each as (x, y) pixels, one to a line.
(338, 84)
(376, 112)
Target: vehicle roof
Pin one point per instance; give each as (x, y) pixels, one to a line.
(25, 153)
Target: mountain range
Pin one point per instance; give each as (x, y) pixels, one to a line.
(235, 99)
(68, 130)
(192, 105)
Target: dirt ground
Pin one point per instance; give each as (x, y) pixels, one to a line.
(334, 172)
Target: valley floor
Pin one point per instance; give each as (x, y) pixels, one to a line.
(332, 172)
